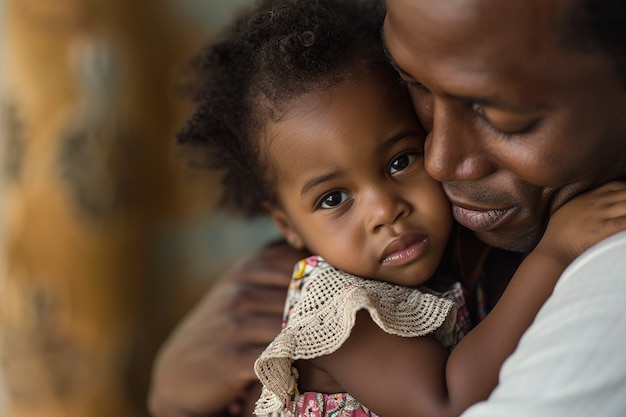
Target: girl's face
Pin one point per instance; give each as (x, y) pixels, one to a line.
(351, 184)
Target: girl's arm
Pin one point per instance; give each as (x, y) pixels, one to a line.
(409, 376)
(391, 375)
(473, 367)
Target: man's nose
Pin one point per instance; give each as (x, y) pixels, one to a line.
(455, 150)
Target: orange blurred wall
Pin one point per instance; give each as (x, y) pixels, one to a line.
(90, 179)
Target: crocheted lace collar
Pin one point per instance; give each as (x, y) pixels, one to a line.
(324, 316)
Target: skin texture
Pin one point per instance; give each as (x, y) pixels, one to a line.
(347, 162)
(352, 185)
(404, 366)
(512, 135)
(517, 121)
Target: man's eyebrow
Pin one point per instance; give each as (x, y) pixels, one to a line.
(488, 102)
(393, 63)
(313, 182)
(499, 103)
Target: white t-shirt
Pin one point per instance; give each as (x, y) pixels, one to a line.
(572, 360)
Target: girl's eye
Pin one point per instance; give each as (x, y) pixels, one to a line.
(401, 163)
(333, 199)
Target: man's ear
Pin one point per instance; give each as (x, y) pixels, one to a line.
(286, 228)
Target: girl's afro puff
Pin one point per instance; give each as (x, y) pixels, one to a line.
(274, 53)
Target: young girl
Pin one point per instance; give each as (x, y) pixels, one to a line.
(311, 126)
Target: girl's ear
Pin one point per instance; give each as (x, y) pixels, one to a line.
(285, 226)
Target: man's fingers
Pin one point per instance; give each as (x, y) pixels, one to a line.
(208, 362)
(257, 330)
(253, 299)
(271, 267)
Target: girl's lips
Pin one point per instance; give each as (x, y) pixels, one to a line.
(405, 254)
(480, 220)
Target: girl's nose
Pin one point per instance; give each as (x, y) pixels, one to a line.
(385, 208)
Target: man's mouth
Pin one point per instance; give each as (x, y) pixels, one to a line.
(480, 220)
(475, 210)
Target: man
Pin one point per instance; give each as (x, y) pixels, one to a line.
(525, 102)
(526, 105)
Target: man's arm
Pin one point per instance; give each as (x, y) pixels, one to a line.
(207, 364)
(571, 361)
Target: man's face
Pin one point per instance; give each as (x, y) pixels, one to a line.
(519, 121)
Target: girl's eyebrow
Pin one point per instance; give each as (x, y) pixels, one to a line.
(314, 182)
(399, 136)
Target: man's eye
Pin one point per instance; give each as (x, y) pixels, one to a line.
(507, 123)
(333, 199)
(401, 163)
(423, 104)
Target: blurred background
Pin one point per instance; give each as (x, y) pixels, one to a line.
(108, 237)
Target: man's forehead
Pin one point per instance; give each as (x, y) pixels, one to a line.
(485, 17)
(516, 31)
(463, 9)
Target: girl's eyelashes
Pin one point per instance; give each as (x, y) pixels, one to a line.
(403, 161)
(332, 200)
(336, 198)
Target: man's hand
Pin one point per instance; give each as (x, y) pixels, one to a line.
(207, 364)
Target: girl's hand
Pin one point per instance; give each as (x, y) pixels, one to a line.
(584, 221)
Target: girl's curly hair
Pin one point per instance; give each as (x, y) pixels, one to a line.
(278, 51)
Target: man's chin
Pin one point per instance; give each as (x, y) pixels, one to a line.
(514, 241)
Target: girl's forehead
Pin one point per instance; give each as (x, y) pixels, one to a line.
(332, 125)
(346, 103)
